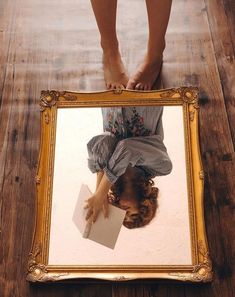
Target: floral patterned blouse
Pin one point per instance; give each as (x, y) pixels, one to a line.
(132, 136)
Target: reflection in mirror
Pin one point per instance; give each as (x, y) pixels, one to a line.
(128, 155)
(139, 152)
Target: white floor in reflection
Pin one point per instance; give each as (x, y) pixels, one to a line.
(165, 241)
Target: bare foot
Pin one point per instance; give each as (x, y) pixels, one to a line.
(146, 74)
(114, 71)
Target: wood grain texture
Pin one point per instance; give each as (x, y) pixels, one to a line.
(55, 45)
(221, 17)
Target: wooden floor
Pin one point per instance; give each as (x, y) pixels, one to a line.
(54, 45)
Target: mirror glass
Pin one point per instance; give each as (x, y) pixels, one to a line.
(164, 241)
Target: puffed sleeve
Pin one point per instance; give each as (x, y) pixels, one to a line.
(148, 152)
(100, 149)
(159, 129)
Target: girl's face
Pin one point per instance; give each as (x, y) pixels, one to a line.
(128, 199)
(131, 207)
(129, 204)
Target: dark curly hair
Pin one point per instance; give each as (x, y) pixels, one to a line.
(146, 196)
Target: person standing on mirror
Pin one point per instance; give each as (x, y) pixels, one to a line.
(148, 71)
(126, 157)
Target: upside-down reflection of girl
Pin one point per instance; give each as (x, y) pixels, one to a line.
(126, 157)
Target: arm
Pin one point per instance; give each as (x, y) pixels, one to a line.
(99, 178)
(99, 200)
(100, 149)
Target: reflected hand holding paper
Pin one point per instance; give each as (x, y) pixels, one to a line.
(105, 230)
(99, 200)
(95, 204)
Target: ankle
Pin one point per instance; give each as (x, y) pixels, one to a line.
(153, 59)
(111, 56)
(110, 47)
(155, 52)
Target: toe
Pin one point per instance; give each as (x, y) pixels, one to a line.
(148, 87)
(108, 86)
(138, 86)
(131, 85)
(120, 86)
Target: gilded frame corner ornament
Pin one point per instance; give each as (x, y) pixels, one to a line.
(37, 272)
(50, 98)
(201, 272)
(38, 269)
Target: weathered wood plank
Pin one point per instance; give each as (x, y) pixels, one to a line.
(221, 16)
(7, 12)
(220, 204)
(190, 60)
(17, 190)
(131, 290)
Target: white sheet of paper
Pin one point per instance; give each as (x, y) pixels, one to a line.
(79, 215)
(105, 230)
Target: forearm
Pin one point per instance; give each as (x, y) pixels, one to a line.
(99, 178)
(98, 200)
(103, 187)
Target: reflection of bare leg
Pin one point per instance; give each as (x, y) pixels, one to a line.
(114, 70)
(148, 71)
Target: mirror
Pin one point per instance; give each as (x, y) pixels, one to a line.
(135, 139)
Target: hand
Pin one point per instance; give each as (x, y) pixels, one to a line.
(94, 205)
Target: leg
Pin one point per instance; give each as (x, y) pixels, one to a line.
(114, 70)
(148, 71)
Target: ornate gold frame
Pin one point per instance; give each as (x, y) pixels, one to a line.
(187, 97)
